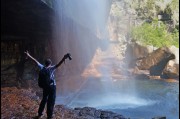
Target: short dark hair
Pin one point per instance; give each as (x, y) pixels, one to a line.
(48, 62)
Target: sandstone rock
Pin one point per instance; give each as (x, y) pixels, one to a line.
(161, 62)
(171, 71)
(133, 52)
(158, 68)
(156, 61)
(175, 51)
(150, 48)
(154, 77)
(152, 58)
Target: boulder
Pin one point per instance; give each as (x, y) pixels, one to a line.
(171, 71)
(154, 58)
(159, 61)
(157, 69)
(175, 51)
(172, 68)
(133, 52)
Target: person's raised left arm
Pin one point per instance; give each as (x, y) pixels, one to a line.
(27, 53)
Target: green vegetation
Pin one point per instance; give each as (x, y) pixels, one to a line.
(165, 33)
(149, 9)
(155, 34)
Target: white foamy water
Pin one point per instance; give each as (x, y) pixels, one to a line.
(112, 101)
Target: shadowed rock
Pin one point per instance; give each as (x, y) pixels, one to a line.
(153, 58)
(159, 67)
(155, 61)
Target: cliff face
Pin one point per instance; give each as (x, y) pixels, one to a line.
(25, 18)
(25, 25)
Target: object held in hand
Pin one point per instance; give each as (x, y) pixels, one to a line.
(68, 55)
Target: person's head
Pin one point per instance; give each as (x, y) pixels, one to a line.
(48, 62)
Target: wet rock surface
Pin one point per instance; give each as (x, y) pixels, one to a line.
(23, 104)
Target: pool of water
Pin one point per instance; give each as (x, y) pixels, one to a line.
(162, 99)
(137, 99)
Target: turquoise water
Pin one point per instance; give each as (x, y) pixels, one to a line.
(165, 98)
(136, 99)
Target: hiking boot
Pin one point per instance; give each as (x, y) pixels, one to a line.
(38, 117)
(49, 117)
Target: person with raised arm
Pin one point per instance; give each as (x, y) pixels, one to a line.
(47, 83)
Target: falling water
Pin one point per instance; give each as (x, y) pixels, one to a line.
(96, 75)
(82, 30)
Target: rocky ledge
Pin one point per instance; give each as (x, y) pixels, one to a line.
(23, 104)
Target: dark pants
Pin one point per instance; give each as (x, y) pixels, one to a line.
(49, 95)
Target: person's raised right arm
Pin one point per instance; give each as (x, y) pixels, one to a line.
(27, 53)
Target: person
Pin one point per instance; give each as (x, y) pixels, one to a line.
(49, 94)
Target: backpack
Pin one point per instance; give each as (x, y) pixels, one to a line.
(44, 79)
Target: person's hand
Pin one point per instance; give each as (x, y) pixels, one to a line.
(27, 53)
(66, 56)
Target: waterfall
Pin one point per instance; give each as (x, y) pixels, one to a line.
(82, 31)
(96, 69)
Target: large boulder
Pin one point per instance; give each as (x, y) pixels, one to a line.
(157, 63)
(172, 67)
(133, 52)
(157, 69)
(162, 62)
(171, 70)
(155, 58)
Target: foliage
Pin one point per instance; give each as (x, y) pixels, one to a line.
(155, 34)
(149, 9)
(174, 6)
(144, 8)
